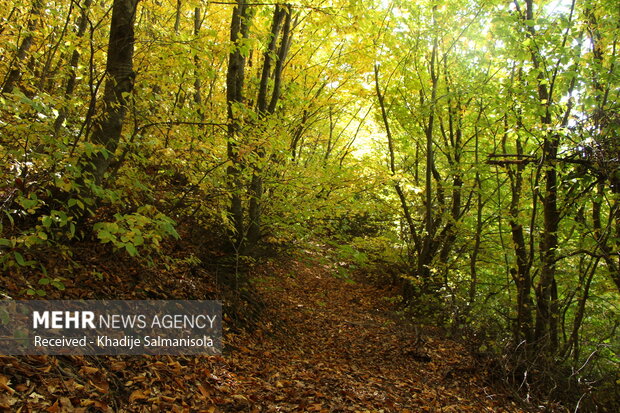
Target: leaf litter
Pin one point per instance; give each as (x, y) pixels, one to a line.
(321, 343)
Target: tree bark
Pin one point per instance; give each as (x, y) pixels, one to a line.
(546, 330)
(73, 64)
(234, 97)
(15, 73)
(413, 231)
(119, 84)
(256, 186)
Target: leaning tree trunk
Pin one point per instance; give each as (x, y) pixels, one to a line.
(73, 65)
(266, 109)
(119, 84)
(15, 73)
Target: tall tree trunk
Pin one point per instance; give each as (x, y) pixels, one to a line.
(454, 139)
(197, 81)
(268, 58)
(119, 84)
(177, 17)
(73, 64)
(234, 97)
(521, 274)
(606, 139)
(256, 186)
(546, 332)
(473, 262)
(15, 73)
(413, 231)
(425, 256)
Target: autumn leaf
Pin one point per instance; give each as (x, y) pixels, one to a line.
(4, 384)
(87, 370)
(137, 395)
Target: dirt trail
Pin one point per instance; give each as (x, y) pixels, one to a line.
(333, 347)
(321, 344)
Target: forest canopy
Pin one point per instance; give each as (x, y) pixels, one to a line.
(467, 152)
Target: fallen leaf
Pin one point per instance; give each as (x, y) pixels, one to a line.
(118, 366)
(137, 395)
(88, 370)
(54, 408)
(4, 384)
(205, 394)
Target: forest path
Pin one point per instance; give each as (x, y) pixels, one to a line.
(328, 344)
(320, 344)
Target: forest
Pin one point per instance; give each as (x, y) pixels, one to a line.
(403, 206)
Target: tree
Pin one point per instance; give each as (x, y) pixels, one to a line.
(234, 101)
(275, 55)
(119, 84)
(15, 71)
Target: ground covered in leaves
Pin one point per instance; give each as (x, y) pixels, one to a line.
(311, 341)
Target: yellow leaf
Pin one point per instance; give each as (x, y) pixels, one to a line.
(137, 395)
(4, 384)
(89, 370)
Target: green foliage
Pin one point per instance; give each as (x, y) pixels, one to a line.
(385, 249)
(463, 80)
(145, 229)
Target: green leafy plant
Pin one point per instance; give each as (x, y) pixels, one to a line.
(143, 230)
